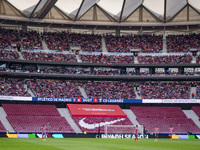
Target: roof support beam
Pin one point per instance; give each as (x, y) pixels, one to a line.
(122, 10)
(35, 9)
(46, 8)
(188, 12)
(79, 10)
(165, 10)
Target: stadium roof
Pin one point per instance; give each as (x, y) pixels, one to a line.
(102, 12)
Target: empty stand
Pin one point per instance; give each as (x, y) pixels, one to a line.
(163, 117)
(30, 110)
(34, 123)
(196, 109)
(30, 118)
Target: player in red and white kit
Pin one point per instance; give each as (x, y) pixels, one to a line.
(136, 133)
(156, 132)
(171, 130)
(43, 128)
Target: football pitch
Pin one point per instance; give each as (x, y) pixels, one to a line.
(98, 144)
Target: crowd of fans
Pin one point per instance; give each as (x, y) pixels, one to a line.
(50, 69)
(9, 54)
(54, 88)
(66, 70)
(188, 73)
(12, 87)
(98, 89)
(130, 72)
(115, 59)
(28, 40)
(198, 91)
(165, 90)
(56, 41)
(145, 43)
(43, 56)
(173, 59)
(87, 42)
(62, 41)
(160, 73)
(144, 73)
(198, 59)
(172, 72)
(109, 89)
(182, 43)
(102, 71)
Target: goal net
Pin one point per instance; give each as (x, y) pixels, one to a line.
(123, 129)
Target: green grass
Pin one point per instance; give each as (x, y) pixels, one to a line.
(97, 144)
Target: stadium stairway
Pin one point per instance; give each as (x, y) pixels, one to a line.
(104, 49)
(78, 58)
(192, 115)
(164, 44)
(29, 90)
(4, 120)
(135, 60)
(193, 90)
(64, 112)
(82, 90)
(44, 45)
(136, 93)
(131, 116)
(20, 56)
(194, 59)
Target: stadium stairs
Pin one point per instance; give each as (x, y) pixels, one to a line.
(104, 49)
(192, 115)
(194, 59)
(136, 93)
(131, 116)
(164, 44)
(78, 58)
(44, 45)
(64, 112)
(29, 90)
(5, 121)
(82, 90)
(135, 60)
(193, 90)
(20, 56)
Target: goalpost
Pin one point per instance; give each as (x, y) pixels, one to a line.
(123, 129)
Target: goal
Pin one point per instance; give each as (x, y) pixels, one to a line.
(123, 129)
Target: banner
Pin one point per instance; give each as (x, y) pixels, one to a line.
(180, 101)
(95, 100)
(120, 100)
(86, 100)
(46, 99)
(171, 101)
(15, 98)
(121, 136)
(87, 110)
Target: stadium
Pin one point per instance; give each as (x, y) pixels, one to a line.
(99, 74)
